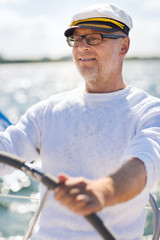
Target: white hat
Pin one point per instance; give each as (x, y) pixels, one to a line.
(102, 17)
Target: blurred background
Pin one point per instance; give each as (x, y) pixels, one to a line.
(34, 28)
(35, 62)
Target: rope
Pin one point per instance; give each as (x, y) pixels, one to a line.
(150, 208)
(37, 199)
(18, 197)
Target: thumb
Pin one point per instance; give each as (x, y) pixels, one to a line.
(62, 178)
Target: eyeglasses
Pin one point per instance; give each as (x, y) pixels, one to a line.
(91, 39)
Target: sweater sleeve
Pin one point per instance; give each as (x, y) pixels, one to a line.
(23, 139)
(145, 144)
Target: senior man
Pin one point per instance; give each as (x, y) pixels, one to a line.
(102, 140)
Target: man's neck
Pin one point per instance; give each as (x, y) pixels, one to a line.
(107, 86)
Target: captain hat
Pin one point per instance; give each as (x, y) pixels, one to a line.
(102, 17)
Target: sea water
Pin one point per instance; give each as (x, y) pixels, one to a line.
(22, 85)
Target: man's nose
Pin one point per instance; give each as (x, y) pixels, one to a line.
(83, 44)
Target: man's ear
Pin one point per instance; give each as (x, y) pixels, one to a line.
(124, 46)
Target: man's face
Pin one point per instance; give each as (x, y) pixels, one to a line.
(96, 63)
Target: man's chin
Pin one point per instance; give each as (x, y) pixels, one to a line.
(89, 76)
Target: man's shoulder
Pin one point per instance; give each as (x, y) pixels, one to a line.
(55, 102)
(63, 98)
(142, 103)
(138, 94)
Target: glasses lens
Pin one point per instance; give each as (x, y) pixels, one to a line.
(74, 41)
(93, 39)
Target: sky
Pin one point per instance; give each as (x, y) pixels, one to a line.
(35, 28)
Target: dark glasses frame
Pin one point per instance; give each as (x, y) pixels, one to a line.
(71, 43)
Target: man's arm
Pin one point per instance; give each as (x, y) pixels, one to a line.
(85, 196)
(128, 181)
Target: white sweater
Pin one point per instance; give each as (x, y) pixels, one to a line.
(90, 135)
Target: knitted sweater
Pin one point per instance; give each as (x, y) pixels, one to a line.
(90, 135)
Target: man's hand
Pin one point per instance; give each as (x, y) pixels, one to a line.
(81, 195)
(85, 196)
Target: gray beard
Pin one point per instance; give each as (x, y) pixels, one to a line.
(89, 76)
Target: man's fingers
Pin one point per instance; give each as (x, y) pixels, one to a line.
(83, 197)
(86, 205)
(62, 178)
(60, 192)
(77, 195)
(78, 202)
(66, 195)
